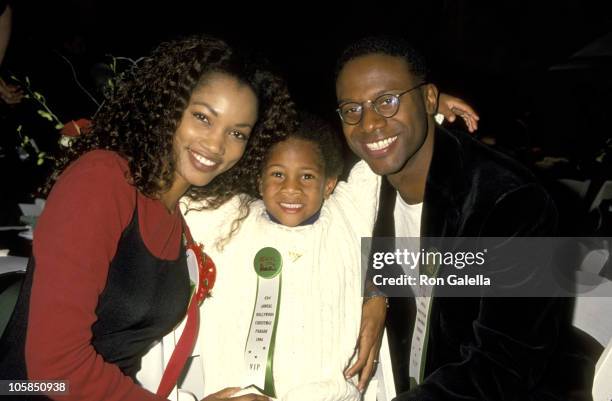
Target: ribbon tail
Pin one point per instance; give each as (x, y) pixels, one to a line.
(181, 353)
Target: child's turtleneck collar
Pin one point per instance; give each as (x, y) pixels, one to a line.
(306, 222)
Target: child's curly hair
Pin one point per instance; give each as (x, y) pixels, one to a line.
(312, 128)
(140, 119)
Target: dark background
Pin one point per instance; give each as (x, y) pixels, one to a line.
(511, 60)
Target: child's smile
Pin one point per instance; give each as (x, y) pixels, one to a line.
(293, 183)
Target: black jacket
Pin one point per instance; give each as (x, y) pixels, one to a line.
(485, 348)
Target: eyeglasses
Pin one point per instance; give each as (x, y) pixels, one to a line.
(385, 105)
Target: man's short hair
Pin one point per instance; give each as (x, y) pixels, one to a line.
(389, 45)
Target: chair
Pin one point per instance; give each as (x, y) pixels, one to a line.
(578, 187)
(605, 192)
(593, 309)
(10, 285)
(593, 315)
(602, 382)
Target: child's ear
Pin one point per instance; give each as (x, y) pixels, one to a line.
(260, 187)
(330, 184)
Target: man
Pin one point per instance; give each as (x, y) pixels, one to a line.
(440, 184)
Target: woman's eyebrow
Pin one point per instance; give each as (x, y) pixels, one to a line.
(209, 107)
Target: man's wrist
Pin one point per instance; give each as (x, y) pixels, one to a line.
(373, 298)
(372, 292)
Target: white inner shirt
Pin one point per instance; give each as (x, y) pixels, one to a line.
(407, 219)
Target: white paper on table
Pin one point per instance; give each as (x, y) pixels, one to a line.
(9, 228)
(9, 264)
(32, 209)
(27, 234)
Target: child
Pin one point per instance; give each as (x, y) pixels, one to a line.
(317, 234)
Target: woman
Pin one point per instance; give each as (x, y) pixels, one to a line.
(108, 276)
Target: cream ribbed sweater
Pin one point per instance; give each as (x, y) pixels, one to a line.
(321, 300)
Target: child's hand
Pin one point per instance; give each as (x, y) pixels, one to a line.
(374, 313)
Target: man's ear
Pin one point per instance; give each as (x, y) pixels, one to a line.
(330, 184)
(430, 95)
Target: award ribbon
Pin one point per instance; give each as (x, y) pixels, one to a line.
(259, 349)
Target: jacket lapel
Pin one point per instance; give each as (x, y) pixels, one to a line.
(445, 187)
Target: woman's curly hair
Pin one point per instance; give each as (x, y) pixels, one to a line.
(140, 118)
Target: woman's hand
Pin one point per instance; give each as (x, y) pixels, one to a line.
(373, 315)
(226, 394)
(451, 107)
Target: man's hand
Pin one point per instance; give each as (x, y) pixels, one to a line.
(226, 394)
(451, 107)
(10, 94)
(374, 312)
